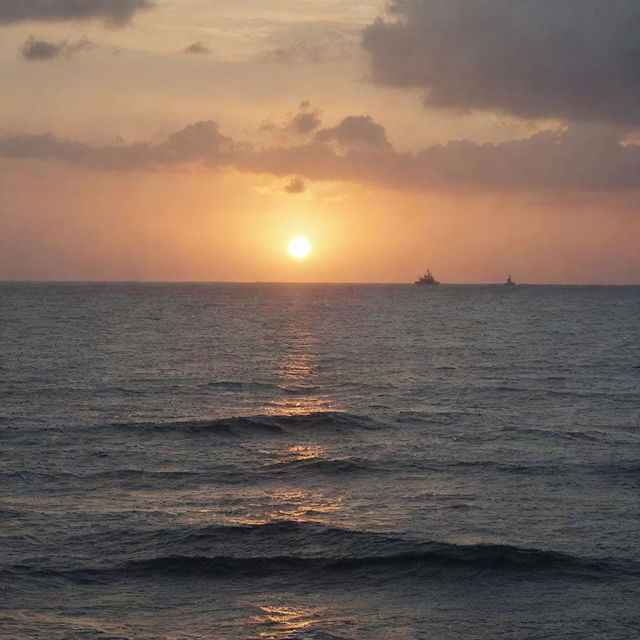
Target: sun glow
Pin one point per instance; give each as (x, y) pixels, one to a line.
(299, 247)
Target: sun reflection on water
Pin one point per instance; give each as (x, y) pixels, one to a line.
(298, 505)
(300, 406)
(297, 365)
(294, 453)
(299, 376)
(303, 452)
(288, 620)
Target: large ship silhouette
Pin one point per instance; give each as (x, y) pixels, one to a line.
(427, 279)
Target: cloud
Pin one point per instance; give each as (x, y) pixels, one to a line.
(297, 185)
(574, 60)
(356, 132)
(303, 123)
(38, 50)
(197, 48)
(300, 53)
(307, 120)
(313, 44)
(585, 157)
(114, 12)
(198, 142)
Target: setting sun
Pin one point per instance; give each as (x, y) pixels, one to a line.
(299, 247)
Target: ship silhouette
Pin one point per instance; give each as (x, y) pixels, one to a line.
(427, 278)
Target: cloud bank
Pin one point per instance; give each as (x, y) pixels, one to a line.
(585, 157)
(575, 60)
(114, 12)
(198, 142)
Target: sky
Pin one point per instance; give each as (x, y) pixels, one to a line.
(190, 140)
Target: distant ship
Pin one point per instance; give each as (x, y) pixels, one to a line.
(427, 278)
(509, 281)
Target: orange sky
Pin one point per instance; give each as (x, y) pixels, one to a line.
(357, 168)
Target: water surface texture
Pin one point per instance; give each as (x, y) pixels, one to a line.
(190, 462)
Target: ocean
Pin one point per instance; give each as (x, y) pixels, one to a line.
(366, 462)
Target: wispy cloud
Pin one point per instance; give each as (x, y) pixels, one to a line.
(311, 44)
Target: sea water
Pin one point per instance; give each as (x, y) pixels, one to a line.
(219, 461)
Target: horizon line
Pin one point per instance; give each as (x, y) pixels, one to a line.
(344, 282)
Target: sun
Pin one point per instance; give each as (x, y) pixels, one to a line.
(299, 247)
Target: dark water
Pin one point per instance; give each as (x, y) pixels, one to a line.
(288, 461)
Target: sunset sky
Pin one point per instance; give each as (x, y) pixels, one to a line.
(192, 139)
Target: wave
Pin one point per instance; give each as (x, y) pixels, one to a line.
(324, 466)
(299, 389)
(476, 558)
(348, 467)
(233, 385)
(622, 469)
(436, 562)
(116, 474)
(504, 468)
(236, 385)
(291, 550)
(144, 478)
(611, 436)
(260, 424)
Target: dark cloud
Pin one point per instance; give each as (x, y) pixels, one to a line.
(114, 12)
(575, 60)
(585, 157)
(38, 50)
(197, 48)
(357, 132)
(297, 185)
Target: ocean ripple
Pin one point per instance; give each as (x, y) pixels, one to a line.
(261, 424)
